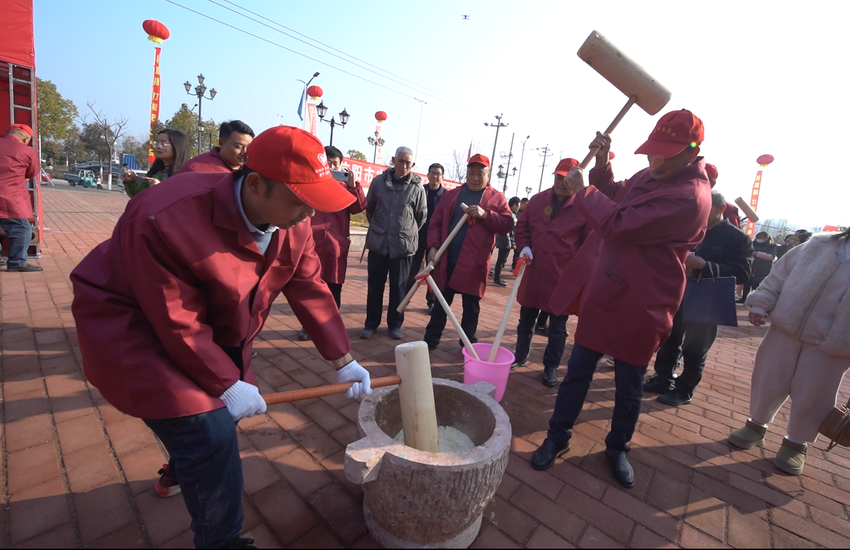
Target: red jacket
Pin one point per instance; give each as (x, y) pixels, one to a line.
(18, 164)
(167, 309)
(331, 234)
(470, 273)
(631, 269)
(553, 244)
(210, 161)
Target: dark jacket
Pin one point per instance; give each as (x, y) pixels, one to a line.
(728, 252)
(396, 213)
(432, 206)
(761, 268)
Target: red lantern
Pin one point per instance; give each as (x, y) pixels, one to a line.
(381, 116)
(315, 92)
(157, 32)
(764, 160)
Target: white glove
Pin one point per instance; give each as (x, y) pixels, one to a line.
(243, 400)
(353, 372)
(526, 253)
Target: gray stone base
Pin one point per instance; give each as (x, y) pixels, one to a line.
(388, 540)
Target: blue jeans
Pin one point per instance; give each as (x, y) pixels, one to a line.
(205, 461)
(19, 233)
(628, 381)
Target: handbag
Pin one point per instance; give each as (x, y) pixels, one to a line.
(710, 301)
(836, 426)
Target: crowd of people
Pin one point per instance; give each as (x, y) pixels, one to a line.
(266, 216)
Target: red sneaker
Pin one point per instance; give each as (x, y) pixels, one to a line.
(167, 486)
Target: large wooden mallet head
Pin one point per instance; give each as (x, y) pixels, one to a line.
(626, 75)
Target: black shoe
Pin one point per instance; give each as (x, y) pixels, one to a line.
(522, 363)
(550, 376)
(620, 467)
(543, 330)
(656, 384)
(303, 336)
(23, 268)
(675, 398)
(367, 333)
(471, 341)
(499, 282)
(241, 542)
(432, 346)
(545, 456)
(396, 334)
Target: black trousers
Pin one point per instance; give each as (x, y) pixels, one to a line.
(378, 268)
(415, 267)
(501, 259)
(628, 382)
(469, 321)
(557, 336)
(336, 290)
(689, 342)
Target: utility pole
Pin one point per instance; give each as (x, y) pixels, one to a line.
(522, 156)
(545, 154)
(508, 169)
(498, 125)
(419, 130)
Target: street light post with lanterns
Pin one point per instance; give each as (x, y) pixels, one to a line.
(527, 192)
(376, 142)
(504, 174)
(521, 157)
(497, 125)
(343, 118)
(199, 92)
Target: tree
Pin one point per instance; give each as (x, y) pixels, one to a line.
(131, 145)
(56, 114)
(109, 132)
(186, 122)
(356, 155)
(91, 138)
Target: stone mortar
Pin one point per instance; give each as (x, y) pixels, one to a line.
(417, 499)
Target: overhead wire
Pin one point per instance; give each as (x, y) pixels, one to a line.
(433, 93)
(324, 63)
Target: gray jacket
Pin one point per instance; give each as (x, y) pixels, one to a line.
(395, 215)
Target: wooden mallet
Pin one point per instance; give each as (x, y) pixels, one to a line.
(518, 273)
(626, 75)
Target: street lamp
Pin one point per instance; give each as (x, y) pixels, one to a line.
(199, 92)
(376, 141)
(343, 118)
(527, 192)
(498, 125)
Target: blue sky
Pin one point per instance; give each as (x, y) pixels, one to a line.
(764, 78)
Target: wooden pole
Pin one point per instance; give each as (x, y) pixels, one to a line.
(416, 397)
(450, 314)
(508, 307)
(324, 391)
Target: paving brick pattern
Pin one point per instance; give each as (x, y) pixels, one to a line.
(76, 472)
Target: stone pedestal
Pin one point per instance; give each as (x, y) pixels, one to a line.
(417, 499)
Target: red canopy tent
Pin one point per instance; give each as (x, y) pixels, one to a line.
(17, 87)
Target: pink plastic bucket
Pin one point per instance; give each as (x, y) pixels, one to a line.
(496, 372)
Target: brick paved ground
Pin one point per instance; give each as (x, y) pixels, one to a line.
(76, 472)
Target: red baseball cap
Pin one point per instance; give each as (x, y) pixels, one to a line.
(22, 128)
(297, 158)
(478, 159)
(711, 172)
(564, 166)
(674, 132)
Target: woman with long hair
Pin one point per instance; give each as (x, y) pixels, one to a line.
(171, 151)
(806, 350)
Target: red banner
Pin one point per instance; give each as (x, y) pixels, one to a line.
(365, 172)
(754, 202)
(154, 103)
(312, 119)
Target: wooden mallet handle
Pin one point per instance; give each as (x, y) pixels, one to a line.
(324, 391)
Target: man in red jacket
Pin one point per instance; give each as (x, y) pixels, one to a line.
(635, 278)
(463, 268)
(550, 232)
(331, 232)
(18, 164)
(234, 137)
(167, 309)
